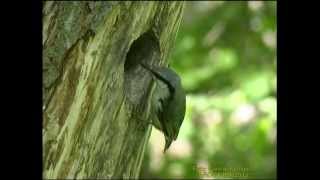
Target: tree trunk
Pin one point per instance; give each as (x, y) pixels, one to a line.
(95, 95)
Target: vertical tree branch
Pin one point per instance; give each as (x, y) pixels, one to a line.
(95, 114)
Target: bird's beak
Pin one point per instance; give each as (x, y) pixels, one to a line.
(168, 143)
(175, 136)
(169, 138)
(172, 134)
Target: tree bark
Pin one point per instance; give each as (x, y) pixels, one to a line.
(95, 95)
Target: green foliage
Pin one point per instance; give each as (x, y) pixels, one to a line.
(226, 56)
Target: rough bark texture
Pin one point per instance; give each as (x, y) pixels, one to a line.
(96, 96)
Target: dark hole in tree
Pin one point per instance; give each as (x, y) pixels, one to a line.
(143, 50)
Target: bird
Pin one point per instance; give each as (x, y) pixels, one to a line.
(168, 103)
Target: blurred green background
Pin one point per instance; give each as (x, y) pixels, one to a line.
(225, 54)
